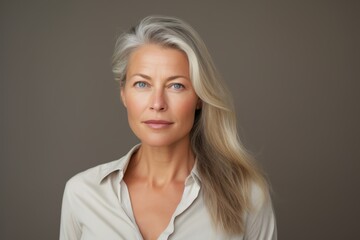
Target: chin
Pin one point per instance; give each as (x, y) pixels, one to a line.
(156, 143)
(162, 141)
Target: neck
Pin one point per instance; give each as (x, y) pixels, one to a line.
(159, 166)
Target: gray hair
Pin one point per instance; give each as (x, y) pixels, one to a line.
(226, 169)
(174, 33)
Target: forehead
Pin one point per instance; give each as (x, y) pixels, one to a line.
(150, 56)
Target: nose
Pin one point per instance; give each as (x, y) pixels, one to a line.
(158, 101)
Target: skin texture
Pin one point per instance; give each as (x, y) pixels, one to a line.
(161, 104)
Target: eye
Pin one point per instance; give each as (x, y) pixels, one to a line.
(140, 84)
(177, 86)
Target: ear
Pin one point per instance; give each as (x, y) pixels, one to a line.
(122, 94)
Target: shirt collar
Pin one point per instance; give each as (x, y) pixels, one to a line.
(122, 163)
(117, 165)
(195, 173)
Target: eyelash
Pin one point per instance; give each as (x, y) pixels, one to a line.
(137, 84)
(181, 86)
(145, 84)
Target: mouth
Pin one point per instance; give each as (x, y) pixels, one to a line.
(157, 124)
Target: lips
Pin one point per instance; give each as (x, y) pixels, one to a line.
(158, 124)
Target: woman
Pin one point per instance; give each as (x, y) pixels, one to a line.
(189, 178)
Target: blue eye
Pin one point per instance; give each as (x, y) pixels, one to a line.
(177, 86)
(140, 84)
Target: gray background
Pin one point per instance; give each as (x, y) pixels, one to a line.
(292, 66)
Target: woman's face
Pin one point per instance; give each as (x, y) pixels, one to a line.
(158, 95)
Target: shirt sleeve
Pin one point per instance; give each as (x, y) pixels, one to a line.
(69, 225)
(260, 222)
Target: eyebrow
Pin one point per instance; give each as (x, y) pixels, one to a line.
(149, 78)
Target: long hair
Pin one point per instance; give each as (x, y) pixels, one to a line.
(226, 170)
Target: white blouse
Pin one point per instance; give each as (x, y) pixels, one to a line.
(96, 206)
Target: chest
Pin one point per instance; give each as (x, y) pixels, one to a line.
(153, 208)
(110, 217)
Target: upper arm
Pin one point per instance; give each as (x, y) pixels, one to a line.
(260, 221)
(69, 225)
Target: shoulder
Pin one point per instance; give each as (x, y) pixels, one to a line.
(90, 177)
(260, 219)
(93, 177)
(258, 195)
(93, 174)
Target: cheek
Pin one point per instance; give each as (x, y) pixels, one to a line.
(134, 106)
(134, 109)
(134, 113)
(187, 110)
